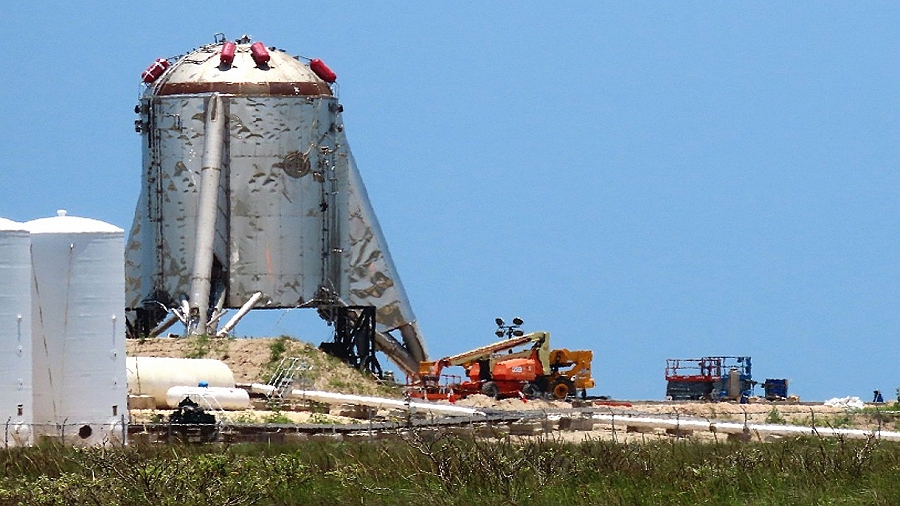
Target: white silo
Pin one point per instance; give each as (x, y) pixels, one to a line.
(15, 334)
(78, 329)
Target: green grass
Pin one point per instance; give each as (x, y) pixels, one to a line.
(358, 382)
(775, 416)
(459, 471)
(198, 346)
(204, 346)
(276, 417)
(277, 349)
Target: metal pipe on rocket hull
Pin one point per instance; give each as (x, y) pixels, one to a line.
(413, 341)
(399, 355)
(240, 314)
(206, 211)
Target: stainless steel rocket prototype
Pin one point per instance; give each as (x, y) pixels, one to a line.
(248, 185)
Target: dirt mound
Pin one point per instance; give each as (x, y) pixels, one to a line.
(254, 361)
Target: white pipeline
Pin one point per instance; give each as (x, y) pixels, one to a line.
(381, 402)
(375, 402)
(741, 428)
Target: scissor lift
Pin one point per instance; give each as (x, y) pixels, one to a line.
(709, 378)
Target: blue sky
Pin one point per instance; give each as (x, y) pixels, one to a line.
(646, 180)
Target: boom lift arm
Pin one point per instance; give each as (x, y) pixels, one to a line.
(432, 370)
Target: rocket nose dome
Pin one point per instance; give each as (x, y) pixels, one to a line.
(245, 73)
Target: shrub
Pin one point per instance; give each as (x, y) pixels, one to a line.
(775, 417)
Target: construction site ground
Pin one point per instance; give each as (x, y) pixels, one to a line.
(253, 360)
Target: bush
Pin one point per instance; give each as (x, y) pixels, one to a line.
(434, 468)
(775, 417)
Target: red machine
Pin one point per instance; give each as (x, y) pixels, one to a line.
(709, 378)
(533, 372)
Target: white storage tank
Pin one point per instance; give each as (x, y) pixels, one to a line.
(78, 330)
(15, 334)
(154, 376)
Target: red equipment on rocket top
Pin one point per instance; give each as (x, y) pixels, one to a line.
(259, 53)
(155, 70)
(322, 70)
(226, 57)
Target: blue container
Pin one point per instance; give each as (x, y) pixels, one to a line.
(776, 388)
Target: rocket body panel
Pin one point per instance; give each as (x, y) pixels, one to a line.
(160, 250)
(282, 172)
(272, 228)
(372, 276)
(372, 270)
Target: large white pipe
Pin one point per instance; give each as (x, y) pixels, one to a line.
(214, 398)
(741, 428)
(375, 402)
(206, 211)
(381, 402)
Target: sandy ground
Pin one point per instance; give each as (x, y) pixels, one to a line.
(759, 411)
(252, 360)
(247, 358)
